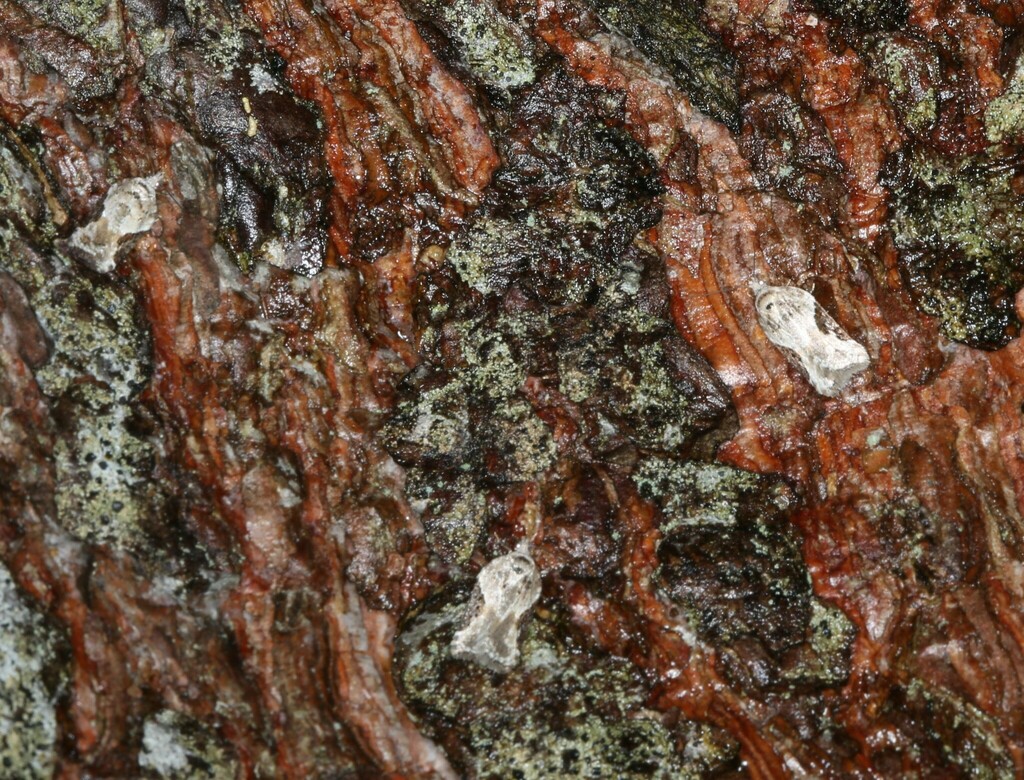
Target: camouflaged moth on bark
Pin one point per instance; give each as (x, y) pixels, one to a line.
(795, 322)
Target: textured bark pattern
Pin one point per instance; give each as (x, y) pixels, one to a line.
(432, 282)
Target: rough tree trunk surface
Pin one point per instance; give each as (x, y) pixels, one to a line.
(425, 389)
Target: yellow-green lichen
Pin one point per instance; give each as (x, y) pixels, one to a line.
(970, 740)
(560, 713)
(960, 226)
(98, 364)
(1004, 117)
(911, 75)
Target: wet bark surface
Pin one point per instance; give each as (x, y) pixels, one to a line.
(310, 310)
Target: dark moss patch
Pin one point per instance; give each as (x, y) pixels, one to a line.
(866, 15)
(228, 87)
(947, 733)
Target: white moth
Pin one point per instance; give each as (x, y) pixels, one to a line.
(129, 208)
(506, 589)
(794, 321)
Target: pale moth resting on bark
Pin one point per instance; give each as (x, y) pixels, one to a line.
(506, 589)
(795, 322)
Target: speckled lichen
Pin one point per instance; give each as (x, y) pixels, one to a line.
(435, 430)
(702, 494)
(560, 713)
(547, 349)
(960, 226)
(866, 15)
(223, 43)
(453, 512)
(98, 364)
(28, 720)
(1004, 117)
(175, 747)
(545, 287)
(90, 20)
(491, 251)
(827, 660)
(20, 193)
(731, 564)
(489, 45)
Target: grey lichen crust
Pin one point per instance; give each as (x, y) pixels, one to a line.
(175, 747)
(794, 321)
(489, 44)
(28, 721)
(866, 15)
(98, 363)
(103, 485)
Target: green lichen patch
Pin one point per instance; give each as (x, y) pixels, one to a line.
(490, 46)
(824, 660)
(84, 45)
(699, 494)
(461, 439)
(912, 72)
(22, 200)
(546, 291)
(89, 20)
(549, 363)
(960, 228)
(916, 543)
(561, 713)
(731, 564)
(453, 510)
(491, 252)
(1004, 117)
(948, 733)
(28, 720)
